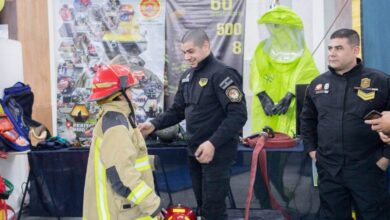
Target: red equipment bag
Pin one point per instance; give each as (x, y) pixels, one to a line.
(179, 212)
(259, 142)
(6, 189)
(10, 135)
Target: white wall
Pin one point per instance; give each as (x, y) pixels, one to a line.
(15, 167)
(11, 63)
(253, 35)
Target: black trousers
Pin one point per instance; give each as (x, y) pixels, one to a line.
(360, 186)
(210, 183)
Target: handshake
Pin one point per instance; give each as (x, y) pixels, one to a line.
(270, 108)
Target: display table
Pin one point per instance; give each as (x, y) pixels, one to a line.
(57, 182)
(57, 177)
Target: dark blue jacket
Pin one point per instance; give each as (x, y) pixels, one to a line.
(211, 99)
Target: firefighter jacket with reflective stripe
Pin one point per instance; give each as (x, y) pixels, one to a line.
(119, 180)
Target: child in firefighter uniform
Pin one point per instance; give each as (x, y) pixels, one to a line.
(119, 181)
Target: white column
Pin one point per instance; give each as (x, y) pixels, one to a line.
(15, 167)
(53, 73)
(318, 32)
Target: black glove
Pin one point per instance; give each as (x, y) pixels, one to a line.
(284, 103)
(266, 102)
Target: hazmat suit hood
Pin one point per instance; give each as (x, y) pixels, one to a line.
(286, 41)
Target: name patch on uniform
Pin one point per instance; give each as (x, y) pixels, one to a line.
(365, 93)
(326, 86)
(234, 94)
(187, 79)
(318, 87)
(321, 89)
(225, 83)
(203, 82)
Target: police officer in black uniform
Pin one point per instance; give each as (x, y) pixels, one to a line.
(350, 157)
(211, 100)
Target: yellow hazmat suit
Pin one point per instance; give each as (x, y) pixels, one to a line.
(279, 63)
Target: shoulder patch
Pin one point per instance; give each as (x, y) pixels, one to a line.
(234, 94)
(112, 119)
(225, 83)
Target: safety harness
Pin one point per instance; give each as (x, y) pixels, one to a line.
(259, 142)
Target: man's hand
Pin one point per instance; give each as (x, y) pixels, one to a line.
(161, 215)
(205, 152)
(381, 124)
(383, 163)
(146, 128)
(313, 155)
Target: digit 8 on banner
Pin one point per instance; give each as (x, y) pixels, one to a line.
(237, 49)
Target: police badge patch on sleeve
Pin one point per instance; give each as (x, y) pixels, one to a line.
(233, 93)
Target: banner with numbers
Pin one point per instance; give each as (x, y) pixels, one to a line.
(223, 21)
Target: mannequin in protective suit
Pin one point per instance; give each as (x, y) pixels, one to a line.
(119, 180)
(280, 62)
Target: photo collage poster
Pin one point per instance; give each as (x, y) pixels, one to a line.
(90, 33)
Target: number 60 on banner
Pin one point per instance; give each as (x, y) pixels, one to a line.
(226, 5)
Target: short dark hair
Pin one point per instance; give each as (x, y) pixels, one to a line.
(351, 35)
(198, 36)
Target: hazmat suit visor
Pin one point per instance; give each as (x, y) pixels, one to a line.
(285, 43)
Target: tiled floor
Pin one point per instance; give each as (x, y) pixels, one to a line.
(186, 197)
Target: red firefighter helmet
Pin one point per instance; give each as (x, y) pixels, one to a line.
(180, 212)
(108, 79)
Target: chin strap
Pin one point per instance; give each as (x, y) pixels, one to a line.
(132, 113)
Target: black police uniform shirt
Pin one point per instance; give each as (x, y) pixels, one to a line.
(332, 116)
(211, 100)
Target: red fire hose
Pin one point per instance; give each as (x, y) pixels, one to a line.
(265, 140)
